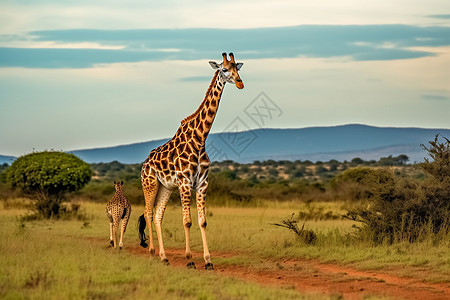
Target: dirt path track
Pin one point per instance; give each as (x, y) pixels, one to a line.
(310, 276)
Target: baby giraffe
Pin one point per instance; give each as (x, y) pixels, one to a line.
(118, 208)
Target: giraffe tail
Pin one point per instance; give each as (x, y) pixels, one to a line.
(141, 226)
(124, 213)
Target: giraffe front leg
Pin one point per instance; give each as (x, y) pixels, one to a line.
(161, 202)
(185, 195)
(200, 199)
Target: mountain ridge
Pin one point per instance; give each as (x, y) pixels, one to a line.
(341, 142)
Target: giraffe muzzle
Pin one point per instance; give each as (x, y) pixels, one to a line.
(239, 84)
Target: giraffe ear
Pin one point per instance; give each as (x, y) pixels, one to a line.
(121, 183)
(239, 66)
(114, 182)
(214, 65)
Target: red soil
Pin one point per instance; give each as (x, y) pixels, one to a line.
(311, 276)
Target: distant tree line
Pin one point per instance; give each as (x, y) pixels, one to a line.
(242, 184)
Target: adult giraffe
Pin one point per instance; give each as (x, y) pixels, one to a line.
(182, 163)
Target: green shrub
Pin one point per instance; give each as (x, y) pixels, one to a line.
(401, 208)
(224, 187)
(439, 167)
(349, 185)
(47, 176)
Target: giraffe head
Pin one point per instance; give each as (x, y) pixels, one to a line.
(118, 185)
(228, 70)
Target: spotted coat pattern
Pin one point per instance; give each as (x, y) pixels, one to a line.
(118, 209)
(182, 163)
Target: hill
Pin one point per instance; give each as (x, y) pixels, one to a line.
(6, 159)
(314, 143)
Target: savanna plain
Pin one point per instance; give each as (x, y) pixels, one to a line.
(72, 259)
(261, 247)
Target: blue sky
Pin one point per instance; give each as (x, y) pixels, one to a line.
(85, 74)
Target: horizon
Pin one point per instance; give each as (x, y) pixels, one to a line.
(84, 75)
(268, 128)
(316, 143)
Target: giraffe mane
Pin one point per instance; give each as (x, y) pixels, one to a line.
(195, 114)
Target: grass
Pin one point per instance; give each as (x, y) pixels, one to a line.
(248, 230)
(64, 259)
(336, 243)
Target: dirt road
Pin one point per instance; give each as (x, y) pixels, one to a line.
(310, 276)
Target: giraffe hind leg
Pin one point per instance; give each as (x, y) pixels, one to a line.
(161, 203)
(111, 241)
(115, 228)
(125, 218)
(122, 230)
(150, 187)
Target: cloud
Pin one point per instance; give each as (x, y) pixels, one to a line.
(440, 16)
(360, 43)
(196, 78)
(71, 58)
(435, 97)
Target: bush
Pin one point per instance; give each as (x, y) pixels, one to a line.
(439, 167)
(224, 187)
(349, 185)
(401, 208)
(47, 176)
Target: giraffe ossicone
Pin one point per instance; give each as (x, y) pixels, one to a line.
(182, 163)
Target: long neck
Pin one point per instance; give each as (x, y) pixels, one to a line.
(202, 119)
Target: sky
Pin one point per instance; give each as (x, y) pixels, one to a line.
(87, 74)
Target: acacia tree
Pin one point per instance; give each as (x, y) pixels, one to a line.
(47, 176)
(439, 166)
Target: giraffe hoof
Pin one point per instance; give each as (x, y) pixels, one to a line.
(191, 265)
(152, 251)
(144, 244)
(165, 261)
(112, 243)
(120, 248)
(209, 266)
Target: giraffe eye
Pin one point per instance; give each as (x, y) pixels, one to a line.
(224, 70)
